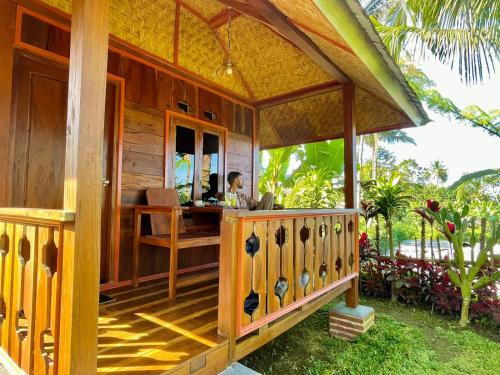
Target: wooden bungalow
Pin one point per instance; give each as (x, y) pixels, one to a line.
(101, 100)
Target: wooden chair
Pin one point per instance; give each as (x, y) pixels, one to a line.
(168, 230)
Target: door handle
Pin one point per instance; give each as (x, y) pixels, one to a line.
(105, 182)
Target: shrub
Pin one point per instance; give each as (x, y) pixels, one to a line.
(420, 282)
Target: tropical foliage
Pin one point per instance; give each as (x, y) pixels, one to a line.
(463, 32)
(305, 176)
(454, 225)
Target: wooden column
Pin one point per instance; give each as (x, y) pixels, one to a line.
(82, 186)
(7, 26)
(255, 153)
(349, 146)
(348, 91)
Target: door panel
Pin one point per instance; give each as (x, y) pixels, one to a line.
(40, 95)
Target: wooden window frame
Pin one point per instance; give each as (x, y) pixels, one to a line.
(174, 119)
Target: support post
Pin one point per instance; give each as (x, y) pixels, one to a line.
(352, 297)
(82, 186)
(349, 146)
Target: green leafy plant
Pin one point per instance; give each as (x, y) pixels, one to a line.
(454, 225)
(390, 199)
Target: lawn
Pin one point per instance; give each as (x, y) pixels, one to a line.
(404, 340)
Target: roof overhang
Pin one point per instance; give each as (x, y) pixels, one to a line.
(352, 23)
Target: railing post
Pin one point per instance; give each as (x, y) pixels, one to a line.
(82, 186)
(228, 276)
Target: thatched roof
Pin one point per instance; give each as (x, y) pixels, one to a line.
(290, 58)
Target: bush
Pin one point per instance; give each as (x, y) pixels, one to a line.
(422, 282)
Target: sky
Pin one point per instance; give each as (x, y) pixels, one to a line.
(462, 148)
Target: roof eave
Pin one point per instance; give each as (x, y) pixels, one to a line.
(351, 22)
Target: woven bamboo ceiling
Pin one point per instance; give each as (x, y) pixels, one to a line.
(288, 58)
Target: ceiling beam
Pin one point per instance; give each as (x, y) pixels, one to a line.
(222, 18)
(283, 25)
(298, 94)
(247, 10)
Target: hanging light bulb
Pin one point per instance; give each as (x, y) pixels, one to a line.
(227, 67)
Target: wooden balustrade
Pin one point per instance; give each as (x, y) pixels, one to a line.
(31, 245)
(287, 259)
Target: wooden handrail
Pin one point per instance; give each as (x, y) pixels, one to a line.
(41, 214)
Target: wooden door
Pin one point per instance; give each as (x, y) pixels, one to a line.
(40, 95)
(108, 173)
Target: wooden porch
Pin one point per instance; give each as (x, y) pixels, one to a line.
(106, 99)
(143, 332)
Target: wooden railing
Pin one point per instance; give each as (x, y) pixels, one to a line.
(31, 245)
(284, 260)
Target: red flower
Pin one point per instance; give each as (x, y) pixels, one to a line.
(363, 239)
(451, 227)
(433, 205)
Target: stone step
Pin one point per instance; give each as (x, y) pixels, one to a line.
(238, 369)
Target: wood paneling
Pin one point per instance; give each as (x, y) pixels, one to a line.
(140, 82)
(184, 92)
(143, 168)
(227, 117)
(40, 99)
(7, 20)
(58, 41)
(165, 86)
(243, 122)
(114, 63)
(239, 158)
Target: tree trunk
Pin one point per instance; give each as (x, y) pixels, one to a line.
(422, 240)
(482, 235)
(374, 157)
(439, 247)
(377, 234)
(391, 240)
(464, 314)
(432, 248)
(362, 143)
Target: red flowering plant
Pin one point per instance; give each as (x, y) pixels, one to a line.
(454, 224)
(366, 250)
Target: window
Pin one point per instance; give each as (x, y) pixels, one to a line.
(198, 160)
(184, 163)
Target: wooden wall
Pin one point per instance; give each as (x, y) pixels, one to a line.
(7, 17)
(239, 158)
(151, 89)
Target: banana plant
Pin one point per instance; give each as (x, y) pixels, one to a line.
(454, 224)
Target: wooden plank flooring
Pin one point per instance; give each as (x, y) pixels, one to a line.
(142, 332)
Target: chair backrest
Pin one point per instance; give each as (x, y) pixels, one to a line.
(160, 224)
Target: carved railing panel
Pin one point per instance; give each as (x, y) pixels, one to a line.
(23, 296)
(285, 261)
(30, 291)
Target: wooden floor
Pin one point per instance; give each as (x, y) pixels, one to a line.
(144, 333)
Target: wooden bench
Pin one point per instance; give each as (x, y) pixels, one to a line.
(168, 230)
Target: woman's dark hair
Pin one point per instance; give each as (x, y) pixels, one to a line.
(232, 176)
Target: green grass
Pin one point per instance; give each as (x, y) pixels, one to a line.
(404, 340)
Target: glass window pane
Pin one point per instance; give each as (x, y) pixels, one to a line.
(184, 163)
(210, 166)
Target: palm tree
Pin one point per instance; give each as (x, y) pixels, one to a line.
(389, 137)
(451, 30)
(390, 198)
(438, 171)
